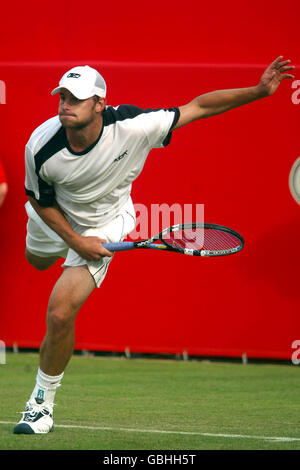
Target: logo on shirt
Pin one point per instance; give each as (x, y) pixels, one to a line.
(73, 75)
(121, 156)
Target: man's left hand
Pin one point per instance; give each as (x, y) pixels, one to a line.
(274, 74)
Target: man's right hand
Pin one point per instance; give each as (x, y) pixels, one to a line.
(90, 248)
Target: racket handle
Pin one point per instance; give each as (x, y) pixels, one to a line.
(119, 246)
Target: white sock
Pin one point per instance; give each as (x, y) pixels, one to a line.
(46, 386)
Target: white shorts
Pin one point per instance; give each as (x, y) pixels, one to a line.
(44, 242)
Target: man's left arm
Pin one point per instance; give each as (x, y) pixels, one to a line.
(220, 101)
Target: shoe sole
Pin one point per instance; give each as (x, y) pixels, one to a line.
(24, 428)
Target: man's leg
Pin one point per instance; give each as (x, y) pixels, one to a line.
(69, 293)
(40, 263)
(42, 251)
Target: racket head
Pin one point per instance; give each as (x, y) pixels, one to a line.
(294, 180)
(202, 239)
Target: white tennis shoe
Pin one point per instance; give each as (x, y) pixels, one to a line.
(37, 418)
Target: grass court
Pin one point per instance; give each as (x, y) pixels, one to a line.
(153, 404)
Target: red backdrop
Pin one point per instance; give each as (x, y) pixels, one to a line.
(236, 164)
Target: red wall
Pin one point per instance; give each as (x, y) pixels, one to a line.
(237, 164)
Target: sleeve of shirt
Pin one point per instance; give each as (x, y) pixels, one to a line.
(35, 186)
(158, 126)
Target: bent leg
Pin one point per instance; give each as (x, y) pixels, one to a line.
(69, 293)
(42, 251)
(40, 263)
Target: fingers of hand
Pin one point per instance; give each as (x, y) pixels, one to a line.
(284, 75)
(283, 63)
(280, 66)
(277, 61)
(92, 249)
(284, 66)
(287, 75)
(103, 250)
(102, 254)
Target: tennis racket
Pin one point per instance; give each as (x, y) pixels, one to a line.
(294, 180)
(196, 239)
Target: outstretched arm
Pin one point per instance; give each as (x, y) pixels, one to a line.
(220, 101)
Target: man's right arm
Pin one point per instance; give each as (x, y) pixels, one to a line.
(89, 248)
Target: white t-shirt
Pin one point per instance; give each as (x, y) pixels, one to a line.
(92, 186)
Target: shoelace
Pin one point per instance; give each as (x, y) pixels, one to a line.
(33, 409)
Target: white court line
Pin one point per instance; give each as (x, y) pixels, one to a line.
(187, 433)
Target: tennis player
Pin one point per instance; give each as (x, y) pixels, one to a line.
(80, 166)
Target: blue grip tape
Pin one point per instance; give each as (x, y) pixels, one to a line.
(119, 246)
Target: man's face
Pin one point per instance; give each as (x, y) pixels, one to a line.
(75, 113)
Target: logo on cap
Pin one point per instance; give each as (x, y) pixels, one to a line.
(73, 75)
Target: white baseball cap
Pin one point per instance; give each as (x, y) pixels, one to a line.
(83, 82)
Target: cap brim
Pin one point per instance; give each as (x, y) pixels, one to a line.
(56, 90)
(72, 90)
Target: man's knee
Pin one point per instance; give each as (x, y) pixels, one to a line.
(41, 264)
(59, 319)
(60, 323)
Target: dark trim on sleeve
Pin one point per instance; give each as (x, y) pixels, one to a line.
(124, 111)
(127, 111)
(54, 145)
(29, 193)
(46, 201)
(167, 139)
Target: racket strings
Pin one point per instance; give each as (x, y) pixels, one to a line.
(217, 240)
(202, 239)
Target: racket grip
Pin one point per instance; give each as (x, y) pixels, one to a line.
(119, 246)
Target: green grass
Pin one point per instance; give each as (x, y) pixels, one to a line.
(128, 396)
